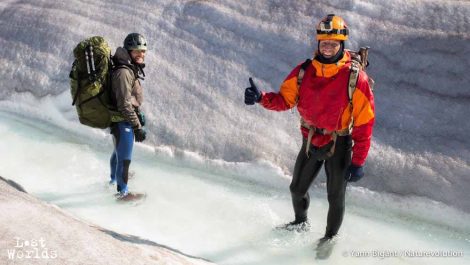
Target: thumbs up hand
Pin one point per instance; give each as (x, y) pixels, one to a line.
(252, 94)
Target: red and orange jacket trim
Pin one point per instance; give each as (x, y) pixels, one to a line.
(323, 102)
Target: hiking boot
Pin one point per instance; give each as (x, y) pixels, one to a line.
(131, 196)
(122, 194)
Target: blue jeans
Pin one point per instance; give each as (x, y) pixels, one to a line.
(123, 138)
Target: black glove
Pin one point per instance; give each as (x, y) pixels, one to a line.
(140, 135)
(252, 94)
(141, 117)
(354, 173)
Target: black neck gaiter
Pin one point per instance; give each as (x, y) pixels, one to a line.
(319, 57)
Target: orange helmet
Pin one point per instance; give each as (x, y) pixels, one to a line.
(332, 27)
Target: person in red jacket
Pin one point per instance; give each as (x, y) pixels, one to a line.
(336, 128)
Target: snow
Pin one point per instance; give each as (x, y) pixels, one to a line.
(201, 55)
(41, 233)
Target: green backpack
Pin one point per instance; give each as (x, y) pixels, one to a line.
(90, 82)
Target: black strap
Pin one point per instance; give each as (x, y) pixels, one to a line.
(75, 97)
(141, 68)
(301, 74)
(334, 31)
(306, 64)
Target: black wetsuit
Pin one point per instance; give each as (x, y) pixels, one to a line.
(306, 170)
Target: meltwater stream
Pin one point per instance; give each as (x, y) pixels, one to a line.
(223, 217)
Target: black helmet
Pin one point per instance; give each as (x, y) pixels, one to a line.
(135, 41)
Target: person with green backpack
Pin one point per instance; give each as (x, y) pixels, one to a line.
(127, 96)
(107, 93)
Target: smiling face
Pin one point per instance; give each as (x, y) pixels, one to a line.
(329, 48)
(138, 56)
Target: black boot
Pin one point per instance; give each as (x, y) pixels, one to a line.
(325, 247)
(298, 225)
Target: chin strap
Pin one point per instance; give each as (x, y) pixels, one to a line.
(141, 70)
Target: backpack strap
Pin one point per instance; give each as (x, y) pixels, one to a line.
(352, 82)
(123, 66)
(301, 74)
(353, 76)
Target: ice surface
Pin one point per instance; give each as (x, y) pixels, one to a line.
(227, 217)
(40, 233)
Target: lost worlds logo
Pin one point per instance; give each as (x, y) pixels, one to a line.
(30, 249)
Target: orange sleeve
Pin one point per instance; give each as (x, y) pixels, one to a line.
(287, 96)
(364, 117)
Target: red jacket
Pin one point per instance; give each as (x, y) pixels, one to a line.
(323, 102)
